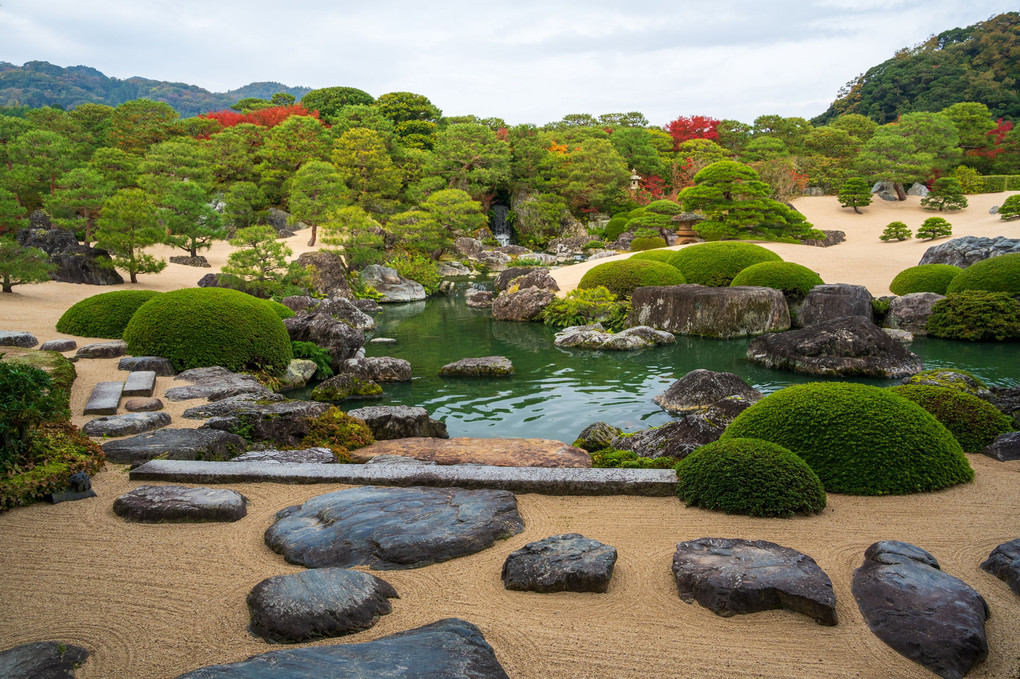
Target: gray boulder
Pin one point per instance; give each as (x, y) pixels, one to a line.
(486, 366)
(340, 339)
(733, 576)
(392, 286)
(281, 222)
(175, 444)
(17, 338)
(537, 278)
(450, 648)
(400, 422)
(303, 456)
(561, 563)
(1004, 563)
(283, 422)
(75, 263)
(710, 312)
(952, 379)
(918, 189)
(680, 438)
(928, 616)
(832, 237)
(393, 528)
(597, 436)
(963, 252)
(593, 337)
(503, 279)
(345, 310)
(701, 388)
(469, 247)
(378, 369)
(126, 425)
(330, 273)
(851, 345)
(197, 261)
(827, 302)
(911, 312)
(143, 405)
(524, 305)
(215, 383)
(479, 299)
(156, 364)
(59, 345)
(326, 602)
(1007, 400)
(42, 660)
(453, 270)
(1005, 447)
(495, 261)
(299, 371)
(102, 349)
(178, 504)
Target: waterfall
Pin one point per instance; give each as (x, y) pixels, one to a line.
(499, 225)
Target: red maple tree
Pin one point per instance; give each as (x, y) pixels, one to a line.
(685, 128)
(264, 117)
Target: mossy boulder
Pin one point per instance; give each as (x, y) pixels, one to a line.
(954, 378)
(975, 423)
(995, 274)
(201, 327)
(749, 476)
(859, 439)
(622, 277)
(346, 386)
(104, 315)
(58, 451)
(793, 280)
(976, 315)
(924, 278)
(716, 264)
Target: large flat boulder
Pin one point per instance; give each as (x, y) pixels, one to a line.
(378, 369)
(963, 252)
(284, 422)
(523, 305)
(561, 563)
(393, 528)
(300, 456)
(701, 388)
(491, 452)
(710, 312)
(400, 422)
(391, 285)
(827, 302)
(126, 425)
(1004, 563)
(175, 444)
(928, 616)
(179, 504)
(595, 337)
(157, 364)
(485, 366)
(215, 383)
(42, 660)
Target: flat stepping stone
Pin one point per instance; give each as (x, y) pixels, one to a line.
(59, 345)
(175, 444)
(1004, 448)
(487, 366)
(42, 660)
(178, 504)
(105, 399)
(926, 615)
(393, 528)
(215, 383)
(734, 576)
(140, 383)
(561, 563)
(126, 425)
(143, 405)
(325, 602)
(492, 452)
(103, 350)
(17, 338)
(305, 456)
(1004, 563)
(450, 649)
(157, 364)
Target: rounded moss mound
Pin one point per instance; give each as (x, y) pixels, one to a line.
(281, 310)
(997, 274)
(104, 315)
(647, 243)
(654, 256)
(794, 280)
(749, 476)
(621, 277)
(715, 264)
(972, 421)
(615, 227)
(924, 278)
(860, 440)
(199, 327)
(976, 315)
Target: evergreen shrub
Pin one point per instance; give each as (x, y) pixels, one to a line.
(859, 439)
(200, 327)
(281, 310)
(657, 255)
(749, 476)
(973, 421)
(615, 227)
(896, 231)
(995, 274)
(104, 315)
(585, 306)
(647, 243)
(795, 281)
(975, 315)
(934, 227)
(623, 276)
(715, 264)
(1010, 208)
(924, 278)
(664, 207)
(310, 351)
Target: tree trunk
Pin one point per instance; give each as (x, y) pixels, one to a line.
(311, 241)
(901, 194)
(856, 210)
(7, 286)
(134, 277)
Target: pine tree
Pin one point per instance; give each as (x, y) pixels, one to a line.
(934, 227)
(854, 193)
(259, 260)
(127, 225)
(946, 194)
(896, 231)
(20, 265)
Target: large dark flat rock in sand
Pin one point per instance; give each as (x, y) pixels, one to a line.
(1004, 563)
(561, 563)
(393, 528)
(447, 649)
(179, 504)
(41, 660)
(175, 444)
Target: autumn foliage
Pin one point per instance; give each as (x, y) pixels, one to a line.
(685, 128)
(264, 117)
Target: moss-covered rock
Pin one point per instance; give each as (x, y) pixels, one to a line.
(924, 278)
(104, 315)
(972, 421)
(346, 386)
(995, 274)
(58, 451)
(338, 431)
(953, 378)
(716, 264)
(622, 277)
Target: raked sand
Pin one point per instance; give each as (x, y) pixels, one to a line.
(157, 601)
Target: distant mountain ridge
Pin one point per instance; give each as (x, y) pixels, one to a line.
(40, 83)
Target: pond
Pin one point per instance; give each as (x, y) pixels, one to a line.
(556, 393)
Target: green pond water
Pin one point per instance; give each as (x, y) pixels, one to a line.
(556, 393)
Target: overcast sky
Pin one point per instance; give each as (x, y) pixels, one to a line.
(522, 60)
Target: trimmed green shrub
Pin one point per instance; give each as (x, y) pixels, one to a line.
(974, 422)
(664, 207)
(946, 194)
(995, 274)
(896, 231)
(934, 227)
(924, 278)
(855, 193)
(622, 276)
(647, 243)
(997, 183)
(749, 476)
(628, 459)
(584, 306)
(655, 256)
(200, 327)
(310, 351)
(794, 280)
(27, 398)
(715, 264)
(593, 245)
(616, 226)
(281, 310)
(860, 440)
(975, 315)
(338, 431)
(105, 315)
(1010, 208)
(58, 450)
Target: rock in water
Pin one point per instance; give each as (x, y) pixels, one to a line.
(393, 528)
(41, 660)
(710, 312)
(561, 563)
(926, 615)
(733, 576)
(836, 300)
(701, 388)
(326, 602)
(446, 649)
(1004, 563)
(486, 366)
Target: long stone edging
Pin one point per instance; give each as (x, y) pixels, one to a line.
(546, 481)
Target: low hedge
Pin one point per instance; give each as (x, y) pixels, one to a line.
(104, 315)
(749, 476)
(794, 280)
(623, 276)
(924, 278)
(859, 439)
(996, 183)
(995, 274)
(974, 422)
(975, 315)
(200, 327)
(716, 264)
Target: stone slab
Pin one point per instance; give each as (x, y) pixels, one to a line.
(17, 338)
(490, 452)
(545, 481)
(140, 383)
(59, 345)
(160, 365)
(103, 350)
(42, 660)
(128, 424)
(105, 399)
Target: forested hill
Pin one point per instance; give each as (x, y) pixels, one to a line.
(39, 83)
(980, 63)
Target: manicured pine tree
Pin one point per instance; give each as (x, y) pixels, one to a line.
(1010, 208)
(896, 231)
(127, 225)
(854, 193)
(79, 195)
(934, 227)
(20, 265)
(946, 194)
(259, 260)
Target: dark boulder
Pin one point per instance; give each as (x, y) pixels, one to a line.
(156, 364)
(911, 312)
(597, 436)
(175, 444)
(283, 422)
(197, 261)
(1005, 447)
(486, 366)
(700, 388)
(75, 263)
(59, 345)
(503, 279)
(831, 238)
(524, 305)
(102, 349)
(346, 311)
(216, 383)
(539, 278)
(222, 280)
(330, 276)
(126, 425)
(926, 615)
(963, 252)
(378, 369)
(340, 339)
(1007, 400)
(143, 405)
(299, 303)
(680, 438)
(710, 312)
(178, 504)
(42, 660)
(400, 422)
(1004, 563)
(18, 338)
(561, 563)
(828, 302)
(281, 222)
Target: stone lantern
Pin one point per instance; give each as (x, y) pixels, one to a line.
(635, 180)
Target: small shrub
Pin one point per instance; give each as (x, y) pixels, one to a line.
(855, 193)
(281, 310)
(105, 315)
(859, 439)
(664, 207)
(27, 398)
(628, 459)
(623, 276)
(946, 194)
(647, 243)
(339, 432)
(896, 231)
(310, 351)
(1010, 208)
(934, 227)
(794, 280)
(58, 451)
(880, 309)
(995, 274)
(924, 278)
(593, 245)
(975, 315)
(748, 476)
(615, 227)
(584, 306)
(418, 267)
(972, 421)
(715, 264)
